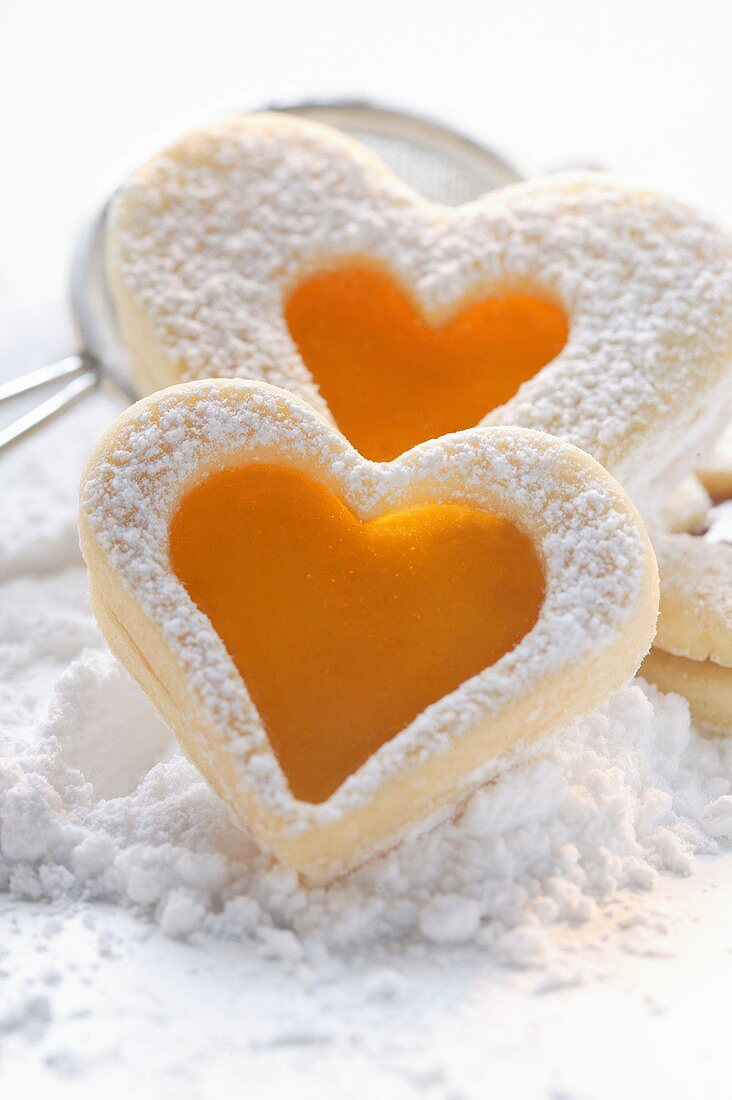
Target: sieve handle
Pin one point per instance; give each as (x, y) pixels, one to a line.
(84, 375)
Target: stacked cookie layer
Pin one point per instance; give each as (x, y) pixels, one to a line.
(692, 652)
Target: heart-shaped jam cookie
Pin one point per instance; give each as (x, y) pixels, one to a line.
(274, 248)
(343, 647)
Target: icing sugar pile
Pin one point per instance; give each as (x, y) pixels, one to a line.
(96, 803)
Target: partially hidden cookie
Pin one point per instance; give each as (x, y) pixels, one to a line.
(685, 509)
(715, 473)
(692, 652)
(274, 248)
(706, 686)
(696, 597)
(345, 647)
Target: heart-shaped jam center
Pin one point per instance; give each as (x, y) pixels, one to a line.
(344, 630)
(393, 380)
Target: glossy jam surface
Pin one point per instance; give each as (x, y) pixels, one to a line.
(391, 379)
(343, 630)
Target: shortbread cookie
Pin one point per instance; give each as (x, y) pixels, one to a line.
(692, 652)
(685, 509)
(344, 647)
(696, 597)
(706, 685)
(275, 248)
(696, 575)
(715, 473)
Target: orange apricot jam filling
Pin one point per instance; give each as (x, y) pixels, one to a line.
(391, 379)
(345, 630)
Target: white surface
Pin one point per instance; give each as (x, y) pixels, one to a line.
(143, 1015)
(644, 88)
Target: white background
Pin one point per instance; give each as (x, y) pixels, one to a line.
(644, 88)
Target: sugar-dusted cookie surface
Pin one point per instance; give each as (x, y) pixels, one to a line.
(200, 521)
(587, 308)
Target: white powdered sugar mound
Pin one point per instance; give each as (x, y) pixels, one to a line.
(96, 803)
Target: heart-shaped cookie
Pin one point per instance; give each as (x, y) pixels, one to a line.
(274, 248)
(343, 647)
